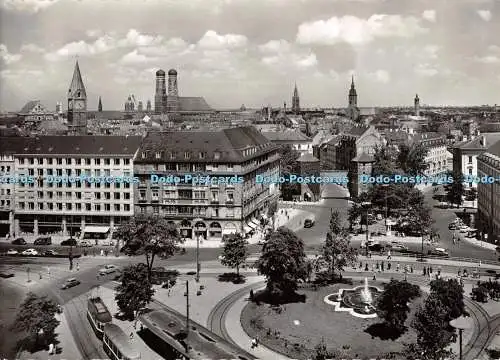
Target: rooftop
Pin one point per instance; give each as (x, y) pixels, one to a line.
(488, 139)
(495, 149)
(71, 145)
(193, 104)
(307, 158)
(364, 158)
(291, 135)
(224, 145)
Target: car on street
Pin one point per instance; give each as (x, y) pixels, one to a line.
(70, 283)
(12, 252)
(108, 269)
(44, 240)
(19, 241)
(453, 226)
(438, 252)
(69, 242)
(85, 243)
(50, 253)
(376, 247)
(465, 229)
(30, 252)
(6, 275)
(398, 247)
(308, 223)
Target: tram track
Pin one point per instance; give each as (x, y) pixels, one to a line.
(483, 334)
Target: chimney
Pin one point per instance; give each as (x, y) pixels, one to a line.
(483, 141)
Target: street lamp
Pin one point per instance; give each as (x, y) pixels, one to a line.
(197, 235)
(386, 186)
(366, 205)
(461, 323)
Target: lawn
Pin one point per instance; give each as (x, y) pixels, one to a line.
(295, 329)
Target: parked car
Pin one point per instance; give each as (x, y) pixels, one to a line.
(108, 269)
(19, 241)
(395, 246)
(30, 252)
(69, 242)
(308, 223)
(44, 240)
(465, 229)
(85, 243)
(453, 226)
(50, 253)
(6, 275)
(438, 252)
(376, 247)
(12, 252)
(70, 283)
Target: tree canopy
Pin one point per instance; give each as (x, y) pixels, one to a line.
(235, 251)
(135, 291)
(283, 261)
(150, 235)
(392, 304)
(37, 314)
(456, 189)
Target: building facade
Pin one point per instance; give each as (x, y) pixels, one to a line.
(354, 142)
(77, 104)
(34, 112)
(437, 156)
(352, 108)
(42, 205)
(488, 195)
(416, 104)
(295, 139)
(202, 209)
(465, 155)
(160, 92)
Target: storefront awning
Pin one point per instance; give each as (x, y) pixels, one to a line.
(252, 225)
(247, 229)
(96, 229)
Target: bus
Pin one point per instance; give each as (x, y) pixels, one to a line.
(117, 345)
(98, 315)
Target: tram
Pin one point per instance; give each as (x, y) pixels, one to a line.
(98, 315)
(117, 345)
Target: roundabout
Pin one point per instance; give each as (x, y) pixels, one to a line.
(226, 312)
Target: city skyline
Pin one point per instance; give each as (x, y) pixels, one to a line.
(394, 49)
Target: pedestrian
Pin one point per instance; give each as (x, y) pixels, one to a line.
(40, 273)
(48, 271)
(253, 344)
(360, 264)
(51, 349)
(388, 254)
(373, 267)
(411, 269)
(397, 267)
(102, 252)
(366, 266)
(382, 266)
(388, 266)
(424, 271)
(131, 335)
(374, 276)
(77, 266)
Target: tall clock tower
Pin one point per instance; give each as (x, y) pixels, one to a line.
(77, 104)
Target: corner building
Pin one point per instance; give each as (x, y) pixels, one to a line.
(43, 207)
(207, 211)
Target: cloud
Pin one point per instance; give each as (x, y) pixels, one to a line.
(429, 15)
(484, 14)
(382, 76)
(30, 6)
(275, 46)
(355, 30)
(135, 58)
(93, 33)
(431, 51)
(211, 40)
(32, 48)
(490, 59)
(22, 73)
(426, 70)
(7, 57)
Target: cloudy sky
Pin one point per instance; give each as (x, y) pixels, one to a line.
(252, 52)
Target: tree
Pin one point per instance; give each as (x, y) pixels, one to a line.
(432, 321)
(451, 295)
(434, 333)
(392, 304)
(337, 251)
(150, 235)
(420, 220)
(272, 209)
(456, 189)
(411, 159)
(36, 317)
(235, 251)
(135, 290)
(282, 262)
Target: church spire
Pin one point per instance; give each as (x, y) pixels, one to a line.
(99, 107)
(77, 89)
(352, 82)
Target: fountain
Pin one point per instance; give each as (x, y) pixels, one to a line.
(358, 301)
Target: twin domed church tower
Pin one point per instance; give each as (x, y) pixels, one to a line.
(166, 102)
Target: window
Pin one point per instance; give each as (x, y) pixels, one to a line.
(158, 155)
(97, 207)
(60, 161)
(230, 212)
(107, 196)
(126, 207)
(470, 159)
(97, 161)
(126, 196)
(230, 166)
(117, 196)
(107, 161)
(142, 194)
(117, 207)
(156, 210)
(40, 206)
(78, 195)
(88, 161)
(144, 155)
(230, 197)
(107, 207)
(126, 161)
(215, 196)
(59, 206)
(32, 161)
(172, 155)
(117, 161)
(202, 155)
(155, 195)
(97, 196)
(69, 206)
(216, 155)
(187, 155)
(78, 206)
(50, 161)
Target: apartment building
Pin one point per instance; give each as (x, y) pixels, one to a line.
(207, 210)
(39, 205)
(488, 195)
(437, 155)
(466, 153)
